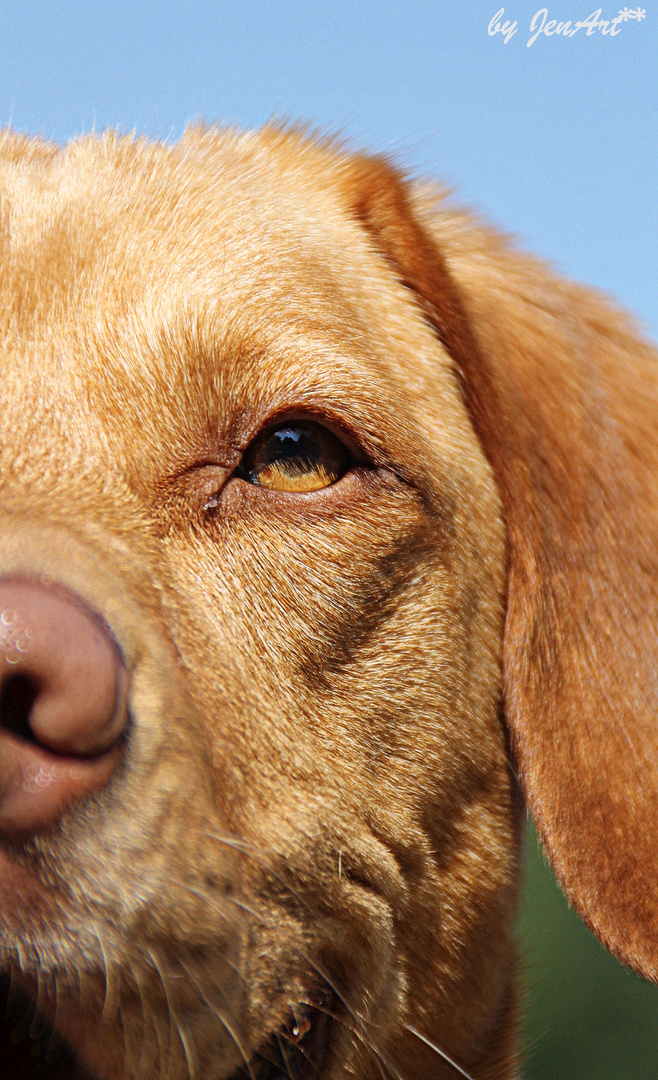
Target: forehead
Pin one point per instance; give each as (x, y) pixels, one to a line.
(180, 288)
(218, 222)
(139, 226)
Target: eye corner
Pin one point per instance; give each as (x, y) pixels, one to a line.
(211, 504)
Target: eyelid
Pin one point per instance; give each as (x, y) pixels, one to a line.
(333, 425)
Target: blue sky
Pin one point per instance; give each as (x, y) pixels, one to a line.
(556, 142)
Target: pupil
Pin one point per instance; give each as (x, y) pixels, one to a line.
(290, 443)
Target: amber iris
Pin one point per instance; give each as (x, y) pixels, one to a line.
(296, 456)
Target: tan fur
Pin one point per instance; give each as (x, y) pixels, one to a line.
(317, 788)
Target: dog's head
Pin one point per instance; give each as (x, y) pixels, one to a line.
(323, 513)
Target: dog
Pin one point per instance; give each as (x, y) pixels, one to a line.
(329, 541)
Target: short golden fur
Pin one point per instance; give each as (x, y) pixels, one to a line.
(330, 692)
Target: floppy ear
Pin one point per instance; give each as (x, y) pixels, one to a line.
(563, 396)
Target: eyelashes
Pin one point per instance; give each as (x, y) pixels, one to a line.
(297, 456)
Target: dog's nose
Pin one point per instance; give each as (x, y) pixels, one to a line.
(63, 703)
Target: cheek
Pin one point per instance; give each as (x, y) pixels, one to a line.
(351, 631)
(288, 586)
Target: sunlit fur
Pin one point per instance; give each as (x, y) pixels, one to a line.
(317, 790)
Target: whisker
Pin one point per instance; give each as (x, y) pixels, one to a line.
(214, 903)
(220, 1016)
(37, 1025)
(359, 1031)
(52, 1040)
(358, 1034)
(124, 1039)
(151, 1016)
(284, 1056)
(442, 1054)
(169, 1010)
(241, 906)
(187, 1050)
(108, 1001)
(208, 898)
(334, 989)
(358, 1025)
(258, 856)
(357, 1028)
(381, 1069)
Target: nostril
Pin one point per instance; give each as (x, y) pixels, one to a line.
(64, 691)
(63, 681)
(17, 697)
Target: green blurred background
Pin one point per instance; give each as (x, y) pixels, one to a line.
(587, 1017)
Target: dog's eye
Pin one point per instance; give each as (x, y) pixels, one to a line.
(296, 456)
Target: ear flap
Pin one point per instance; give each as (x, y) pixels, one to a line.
(564, 398)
